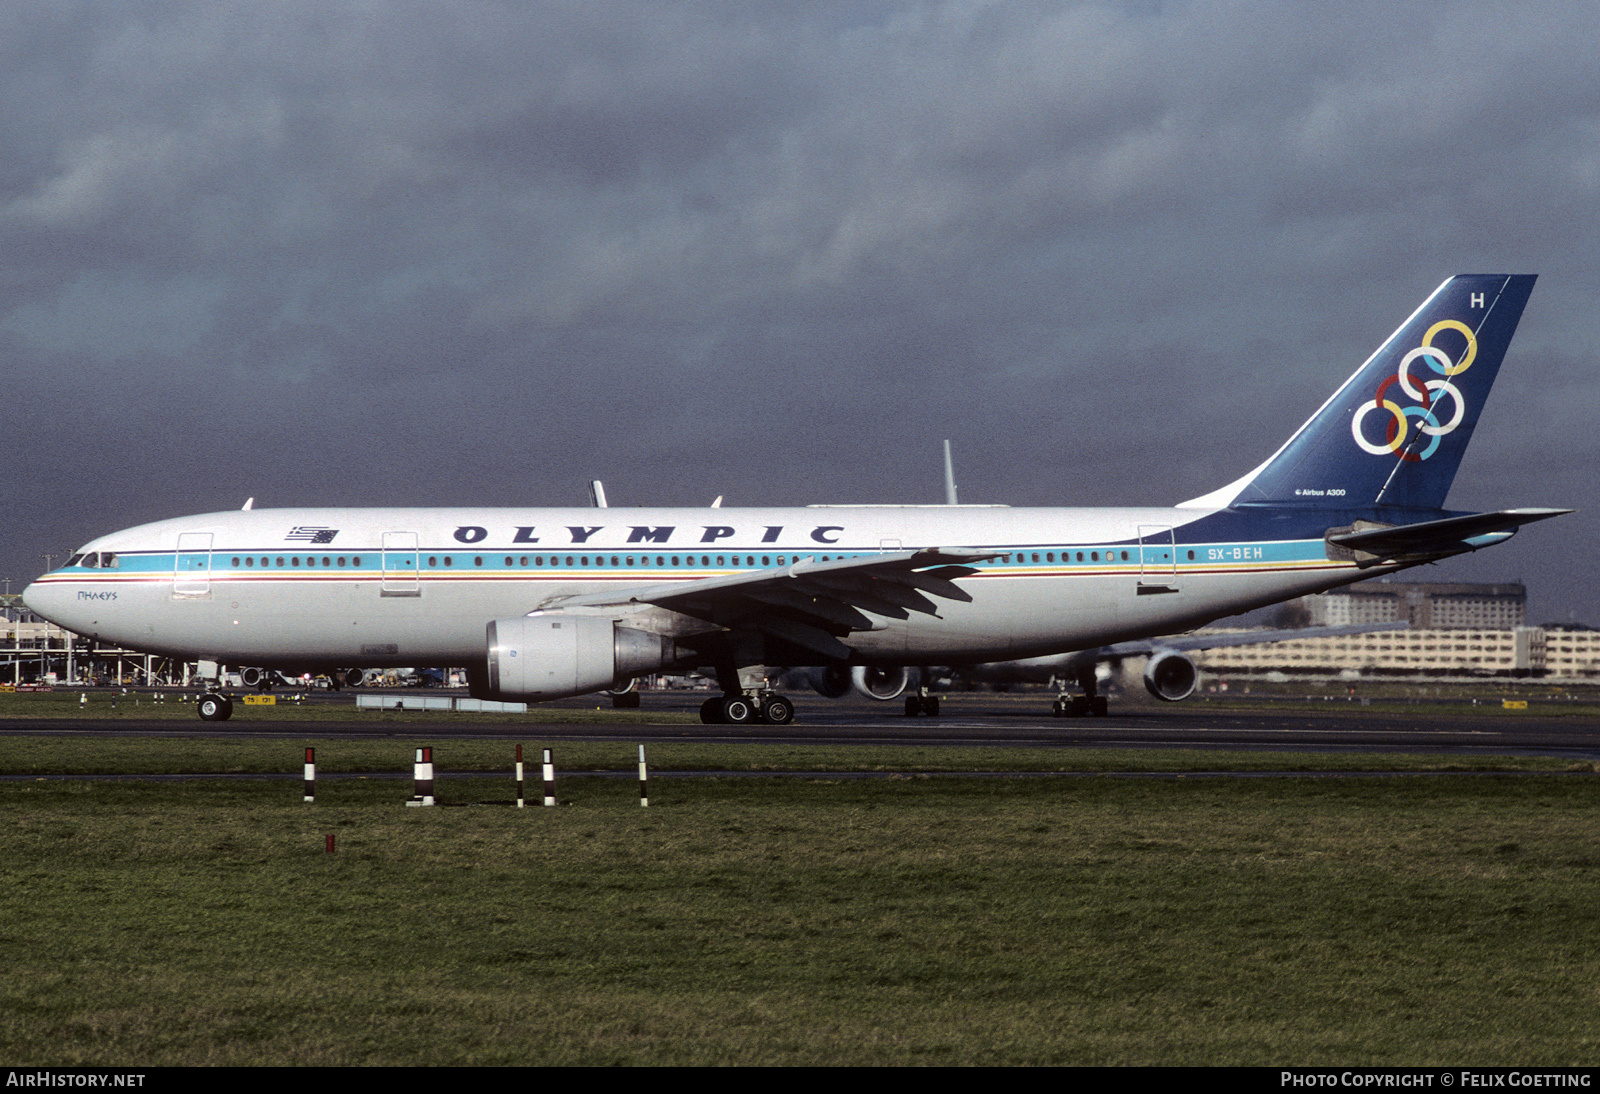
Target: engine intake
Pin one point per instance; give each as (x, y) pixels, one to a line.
(551, 655)
(881, 682)
(1170, 675)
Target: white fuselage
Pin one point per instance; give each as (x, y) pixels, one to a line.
(383, 587)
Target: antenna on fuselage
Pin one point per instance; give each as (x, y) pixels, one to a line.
(949, 477)
(597, 494)
(249, 503)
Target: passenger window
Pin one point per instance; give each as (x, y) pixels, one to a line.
(613, 560)
(236, 563)
(449, 560)
(1191, 556)
(295, 561)
(1036, 556)
(341, 560)
(249, 562)
(766, 560)
(1124, 556)
(477, 560)
(433, 560)
(508, 560)
(584, 560)
(1094, 556)
(1080, 556)
(1049, 556)
(325, 561)
(280, 560)
(355, 560)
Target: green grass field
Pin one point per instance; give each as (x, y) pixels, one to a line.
(800, 920)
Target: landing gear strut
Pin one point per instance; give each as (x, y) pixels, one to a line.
(740, 709)
(1077, 705)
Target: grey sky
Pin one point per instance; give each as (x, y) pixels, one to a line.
(477, 253)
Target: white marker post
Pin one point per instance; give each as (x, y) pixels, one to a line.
(644, 781)
(311, 775)
(549, 779)
(422, 772)
(520, 802)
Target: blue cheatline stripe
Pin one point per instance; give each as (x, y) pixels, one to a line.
(1058, 560)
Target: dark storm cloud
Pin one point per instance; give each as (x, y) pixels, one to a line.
(478, 252)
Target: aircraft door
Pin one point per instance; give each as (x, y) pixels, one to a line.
(191, 574)
(400, 576)
(1158, 560)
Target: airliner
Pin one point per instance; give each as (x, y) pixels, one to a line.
(546, 603)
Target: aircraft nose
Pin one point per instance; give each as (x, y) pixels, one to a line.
(47, 601)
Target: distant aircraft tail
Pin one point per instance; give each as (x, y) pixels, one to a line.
(1394, 434)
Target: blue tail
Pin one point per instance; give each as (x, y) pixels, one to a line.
(1394, 434)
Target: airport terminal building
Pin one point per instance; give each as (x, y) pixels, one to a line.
(1455, 629)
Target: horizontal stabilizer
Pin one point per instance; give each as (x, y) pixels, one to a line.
(1438, 536)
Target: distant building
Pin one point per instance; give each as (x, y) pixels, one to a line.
(1510, 651)
(1425, 605)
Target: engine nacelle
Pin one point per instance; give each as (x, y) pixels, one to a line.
(880, 682)
(832, 681)
(552, 655)
(1170, 675)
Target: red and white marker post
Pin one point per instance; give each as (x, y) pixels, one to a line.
(422, 772)
(644, 780)
(311, 775)
(549, 779)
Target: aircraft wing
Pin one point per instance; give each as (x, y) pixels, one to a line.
(1440, 536)
(808, 603)
(1240, 638)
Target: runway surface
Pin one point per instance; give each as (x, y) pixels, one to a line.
(971, 720)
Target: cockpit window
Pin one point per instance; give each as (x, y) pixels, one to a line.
(108, 561)
(75, 559)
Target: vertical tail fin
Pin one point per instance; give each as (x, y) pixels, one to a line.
(1394, 433)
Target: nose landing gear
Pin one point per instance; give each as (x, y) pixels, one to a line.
(214, 708)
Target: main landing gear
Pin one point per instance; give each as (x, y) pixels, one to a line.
(922, 704)
(765, 707)
(214, 708)
(1089, 702)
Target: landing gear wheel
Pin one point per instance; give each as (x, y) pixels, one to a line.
(628, 700)
(930, 705)
(711, 711)
(214, 708)
(1098, 706)
(738, 711)
(1078, 706)
(778, 711)
(913, 706)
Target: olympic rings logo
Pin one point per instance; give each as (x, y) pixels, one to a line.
(1430, 394)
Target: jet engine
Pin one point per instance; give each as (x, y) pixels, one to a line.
(550, 655)
(1170, 675)
(880, 682)
(832, 682)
